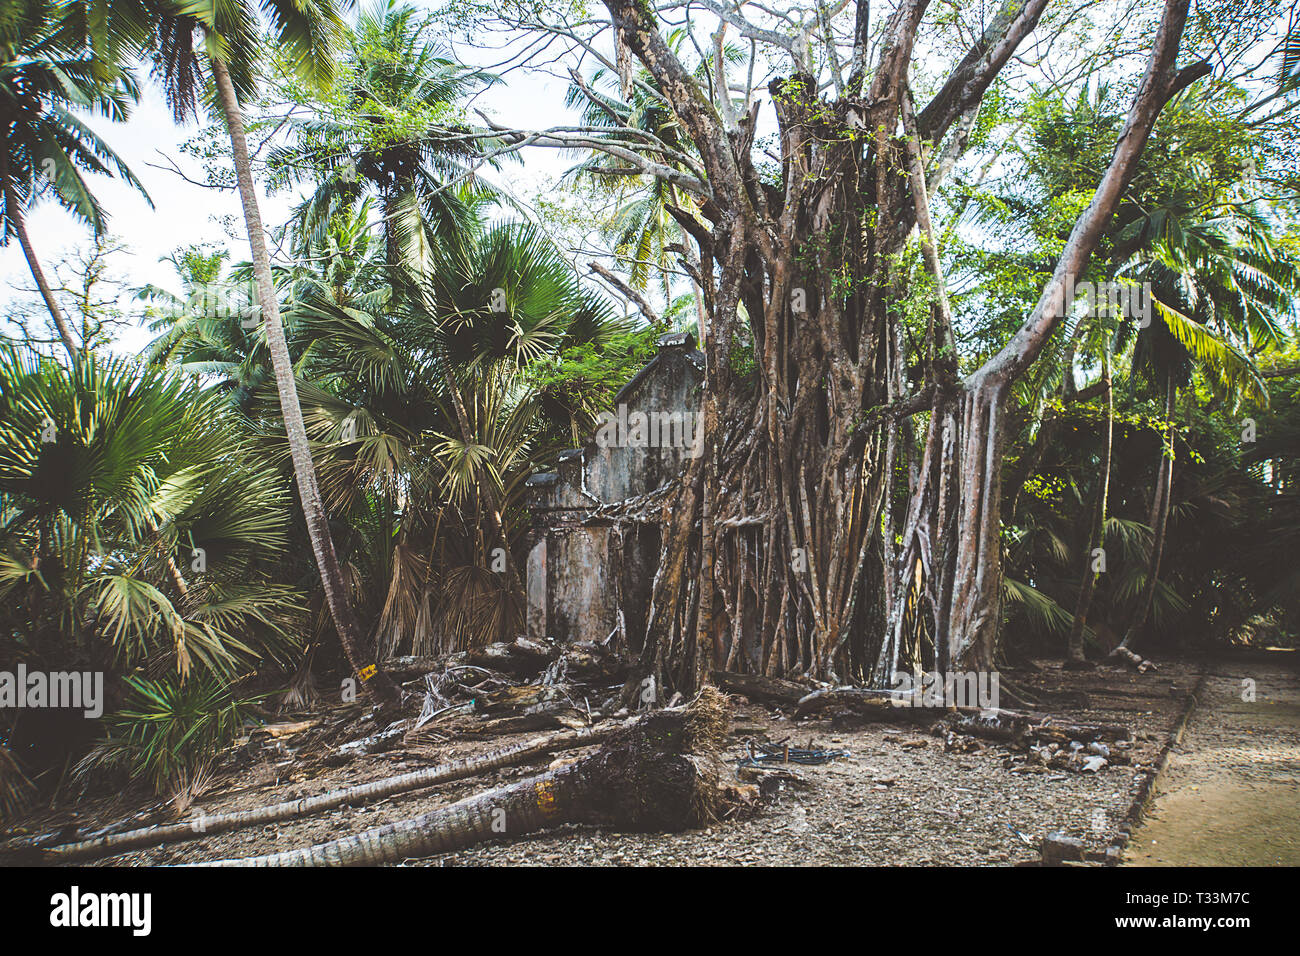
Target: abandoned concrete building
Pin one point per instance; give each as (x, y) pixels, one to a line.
(587, 576)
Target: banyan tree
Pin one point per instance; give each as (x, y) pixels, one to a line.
(844, 517)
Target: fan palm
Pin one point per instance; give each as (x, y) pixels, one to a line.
(424, 405)
(139, 533)
(111, 479)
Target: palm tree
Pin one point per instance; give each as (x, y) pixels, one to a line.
(108, 475)
(428, 417)
(394, 137)
(1220, 287)
(113, 479)
(181, 36)
(643, 232)
(1097, 535)
(212, 343)
(44, 147)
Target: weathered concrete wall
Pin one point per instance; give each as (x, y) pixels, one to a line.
(579, 575)
(669, 386)
(582, 601)
(536, 619)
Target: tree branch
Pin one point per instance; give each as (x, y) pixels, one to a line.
(1161, 82)
(965, 87)
(627, 291)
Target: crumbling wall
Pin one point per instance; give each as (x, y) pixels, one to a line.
(581, 574)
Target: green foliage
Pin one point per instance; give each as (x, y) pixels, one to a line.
(46, 80)
(586, 377)
(168, 731)
(110, 478)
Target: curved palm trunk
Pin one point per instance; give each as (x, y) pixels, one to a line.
(115, 843)
(658, 774)
(345, 622)
(20, 230)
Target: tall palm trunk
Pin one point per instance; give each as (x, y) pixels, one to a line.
(1160, 502)
(345, 621)
(1096, 539)
(20, 230)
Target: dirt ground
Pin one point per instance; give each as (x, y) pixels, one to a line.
(899, 798)
(1230, 795)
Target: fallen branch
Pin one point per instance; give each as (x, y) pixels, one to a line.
(865, 700)
(990, 723)
(1136, 661)
(659, 773)
(769, 690)
(522, 657)
(204, 826)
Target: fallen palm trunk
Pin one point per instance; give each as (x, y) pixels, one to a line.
(363, 793)
(657, 774)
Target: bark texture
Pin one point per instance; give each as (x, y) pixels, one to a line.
(336, 596)
(350, 796)
(784, 550)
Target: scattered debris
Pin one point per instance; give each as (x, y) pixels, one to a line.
(780, 753)
(659, 773)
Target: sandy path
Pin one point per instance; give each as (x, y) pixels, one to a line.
(1231, 792)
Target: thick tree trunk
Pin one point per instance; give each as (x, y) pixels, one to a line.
(954, 531)
(795, 474)
(19, 225)
(969, 605)
(336, 595)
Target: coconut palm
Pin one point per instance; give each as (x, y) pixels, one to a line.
(45, 79)
(641, 229)
(392, 134)
(1221, 288)
(190, 43)
(203, 328)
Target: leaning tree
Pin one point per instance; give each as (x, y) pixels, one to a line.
(783, 548)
